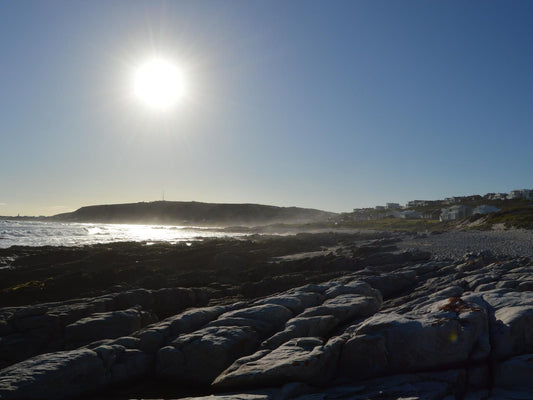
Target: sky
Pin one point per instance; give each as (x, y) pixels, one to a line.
(332, 105)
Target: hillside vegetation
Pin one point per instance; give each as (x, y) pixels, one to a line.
(194, 213)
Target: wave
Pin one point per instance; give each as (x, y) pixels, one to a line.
(40, 233)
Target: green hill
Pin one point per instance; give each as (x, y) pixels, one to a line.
(194, 213)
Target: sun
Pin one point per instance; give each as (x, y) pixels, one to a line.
(158, 83)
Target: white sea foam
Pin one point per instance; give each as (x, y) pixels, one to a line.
(39, 233)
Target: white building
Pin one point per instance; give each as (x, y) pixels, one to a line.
(496, 196)
(520, 194)
(452, 200)
(410, 214)
(417, 203)
(455, 212)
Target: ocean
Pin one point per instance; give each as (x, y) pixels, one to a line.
(39, 233)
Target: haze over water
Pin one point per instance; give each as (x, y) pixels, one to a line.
(38, 233)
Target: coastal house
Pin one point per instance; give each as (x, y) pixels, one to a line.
(433, 215)
(455, 212)
(521, 194)
(417, 203)
(410, 214)
(392, 206)
(452, 200)
(362, 214)
(484, 209)
(496, 196)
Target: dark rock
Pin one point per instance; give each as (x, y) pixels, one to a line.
(319, 326)
(515, 374)
(393, 283)
(200, 356)
(403, 343)
(299, 360)
(103, 326)
(345, 307)
(58, 375)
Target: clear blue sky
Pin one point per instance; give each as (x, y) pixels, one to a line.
(323, 104)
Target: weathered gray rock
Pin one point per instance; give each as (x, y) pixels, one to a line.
(319, 326)
(346, 307)
(515, 373)
(191, 320)
(58, 375)
(153, 337)
(437, 317)
(526, 285)
(233, 396)
(131, 298)
(447, 385)
(392, 283)
(131, 364)
(450, 291)
(169, 301)
(99, 326)
(72, 373)
(513, 322)
(299, 360)
(33, 335)
(200, 356)
(354, 287)
(264, 318)
(391, 343)
(295, 301)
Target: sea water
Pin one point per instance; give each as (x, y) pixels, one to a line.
(40, 233)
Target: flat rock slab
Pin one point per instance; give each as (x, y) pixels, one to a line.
(345, 307)
(107, 325)
(299, 360)
(58, 375)
(200, 356)
(513, 322)
(390, 343)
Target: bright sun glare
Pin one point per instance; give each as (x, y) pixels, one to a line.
(158, 84)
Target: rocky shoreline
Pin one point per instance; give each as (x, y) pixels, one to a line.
(365, 315)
